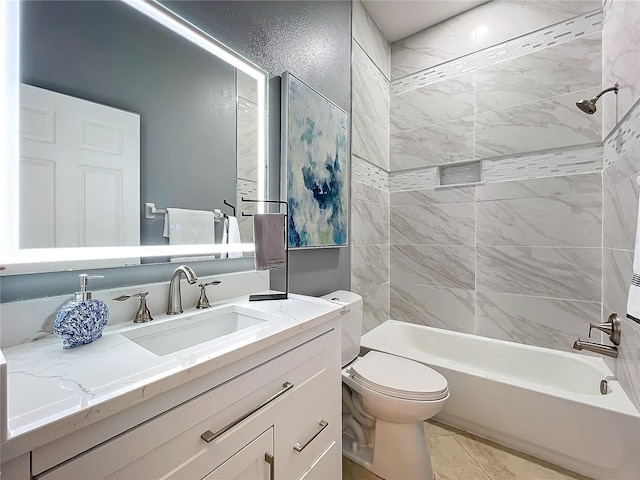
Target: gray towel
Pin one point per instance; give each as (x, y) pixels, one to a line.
(269, 238)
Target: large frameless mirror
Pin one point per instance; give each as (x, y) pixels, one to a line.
(115, 112)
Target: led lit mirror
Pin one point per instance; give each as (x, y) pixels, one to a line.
(122, 104)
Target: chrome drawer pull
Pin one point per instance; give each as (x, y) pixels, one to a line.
(209, 436)
(272, 465)
(298, 448)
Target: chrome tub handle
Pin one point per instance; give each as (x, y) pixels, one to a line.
(298, 448)
(209, 436)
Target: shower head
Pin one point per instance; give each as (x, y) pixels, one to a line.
(589, 106)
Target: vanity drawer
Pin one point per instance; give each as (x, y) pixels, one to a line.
(170, 445)
(308, 432)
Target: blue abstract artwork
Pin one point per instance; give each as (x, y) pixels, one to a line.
(316, 162)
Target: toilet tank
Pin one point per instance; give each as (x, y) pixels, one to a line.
(350, 322)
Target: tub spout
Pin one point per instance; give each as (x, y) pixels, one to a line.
(596, 348)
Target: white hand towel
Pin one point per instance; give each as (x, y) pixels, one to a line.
(633, 303)
(233, 235)
(230, 235)
(225, 237)
(189, 227)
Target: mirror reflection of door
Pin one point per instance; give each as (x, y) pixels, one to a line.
(79, 172)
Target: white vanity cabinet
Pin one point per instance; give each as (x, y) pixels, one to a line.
(253, 462)
(299, 446)
(280, 418)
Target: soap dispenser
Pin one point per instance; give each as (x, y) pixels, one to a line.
(81, 321)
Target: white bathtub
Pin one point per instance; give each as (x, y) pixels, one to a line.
(539, 401)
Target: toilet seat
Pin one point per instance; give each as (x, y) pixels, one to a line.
(398, 377)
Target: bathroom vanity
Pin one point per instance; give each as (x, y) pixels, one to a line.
(259, 400)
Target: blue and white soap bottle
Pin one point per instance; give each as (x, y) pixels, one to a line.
(81, 321)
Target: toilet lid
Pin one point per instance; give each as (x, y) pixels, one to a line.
(399, 377)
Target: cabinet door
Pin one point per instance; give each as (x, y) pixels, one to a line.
(307, 433)
(328, 466)
(253, 462)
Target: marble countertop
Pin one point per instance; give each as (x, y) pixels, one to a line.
(52, 391)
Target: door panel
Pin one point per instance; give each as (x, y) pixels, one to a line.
(93, 195)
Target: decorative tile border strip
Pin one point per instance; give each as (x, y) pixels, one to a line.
(520, 167)
(624, 137)
(540, 165)
(562, 32)
(420, 179)
(247, 105)
(247, 188)
(369, 174)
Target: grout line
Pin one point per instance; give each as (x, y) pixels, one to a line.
(474, 459)
(364, 50)
(602, 260)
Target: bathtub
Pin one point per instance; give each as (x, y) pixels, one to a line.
(539, 401)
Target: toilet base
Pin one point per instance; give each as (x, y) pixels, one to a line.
(400, 452)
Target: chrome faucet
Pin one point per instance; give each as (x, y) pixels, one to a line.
(610, 327)
(175, 299)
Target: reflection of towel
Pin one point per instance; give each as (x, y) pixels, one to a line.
(633, 303)
(269, 237)
(231, 235)
(234, 235)
(188, 227)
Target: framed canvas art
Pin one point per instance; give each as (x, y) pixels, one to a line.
(315, 161)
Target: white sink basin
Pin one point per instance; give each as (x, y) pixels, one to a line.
(173, 335)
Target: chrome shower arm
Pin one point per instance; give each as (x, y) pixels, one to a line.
(615, 88)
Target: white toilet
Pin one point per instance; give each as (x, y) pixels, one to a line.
(385, 400)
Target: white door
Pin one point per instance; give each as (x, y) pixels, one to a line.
(250, 463)
(79, 172)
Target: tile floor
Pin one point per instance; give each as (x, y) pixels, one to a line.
(458, 455)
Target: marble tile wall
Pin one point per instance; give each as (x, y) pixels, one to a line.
(370, 246)
(517, 260)
(246, 189)
(478, 29)
(247, 152)
(438, 102)
(545, 164)
(367, 34)
(370, 167)
(369, 110)
(432, 258)
(554, 71)
(531, 260)
(565, 31)
(521, 102)
(621, 59)
(524, 166)
(541, 125)
(620, 211)
(520, 257)
(538, 260)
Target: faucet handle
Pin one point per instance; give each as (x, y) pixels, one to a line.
(610, 327)
(203, 301)
(143, 314)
